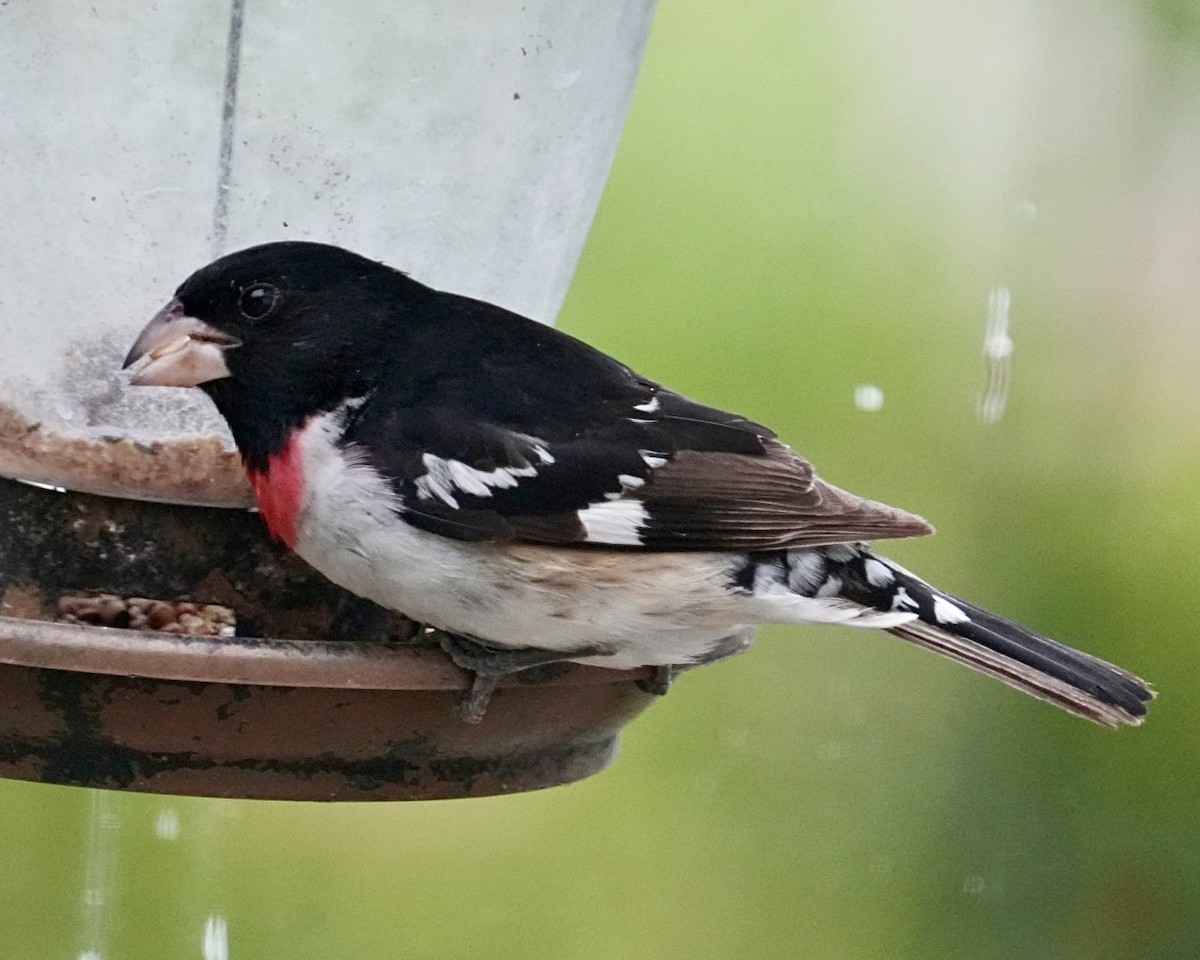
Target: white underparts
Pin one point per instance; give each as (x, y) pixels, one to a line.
(647, 607)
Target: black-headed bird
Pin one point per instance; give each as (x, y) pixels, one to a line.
(535, 500)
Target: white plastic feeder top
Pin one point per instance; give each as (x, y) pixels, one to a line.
(465, 143)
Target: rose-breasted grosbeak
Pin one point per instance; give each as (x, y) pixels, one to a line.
(536, 500)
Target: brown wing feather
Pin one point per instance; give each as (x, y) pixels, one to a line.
(728, 501)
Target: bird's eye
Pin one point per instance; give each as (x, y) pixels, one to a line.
(258, 300)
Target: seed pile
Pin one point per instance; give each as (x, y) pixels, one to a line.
(142, 613)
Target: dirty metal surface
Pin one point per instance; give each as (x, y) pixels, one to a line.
(348, 705)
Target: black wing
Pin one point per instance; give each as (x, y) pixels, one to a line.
(515, 431)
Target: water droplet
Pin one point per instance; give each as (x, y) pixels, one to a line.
(974, 884)
(1027, 210)
(215, 945)
(168, 825)
(997, 350)
(868, 398)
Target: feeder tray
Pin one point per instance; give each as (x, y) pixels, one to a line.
(352, 705)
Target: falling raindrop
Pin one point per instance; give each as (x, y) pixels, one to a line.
(215, 945)
(167, 825)
(974, 884)
(997, 350)
(100, 868)
(868, 398)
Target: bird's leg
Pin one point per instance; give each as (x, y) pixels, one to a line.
(667, 674)
(489, 665)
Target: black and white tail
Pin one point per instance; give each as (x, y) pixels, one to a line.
(1075, 681)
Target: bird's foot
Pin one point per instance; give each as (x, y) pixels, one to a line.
(489, 666)
(666, 674)
(660, 683)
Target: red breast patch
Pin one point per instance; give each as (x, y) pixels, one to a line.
(279, 491)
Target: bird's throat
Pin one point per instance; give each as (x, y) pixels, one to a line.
(279, 490)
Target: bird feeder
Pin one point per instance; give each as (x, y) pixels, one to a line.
(152, 637)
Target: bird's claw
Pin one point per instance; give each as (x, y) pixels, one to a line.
(489, 665)
(475, 702)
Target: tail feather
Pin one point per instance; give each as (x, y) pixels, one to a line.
(1110, 708)
(1070, 679)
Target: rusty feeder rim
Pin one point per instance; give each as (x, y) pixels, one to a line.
(346, 665)
(284, 719)
(346, 711)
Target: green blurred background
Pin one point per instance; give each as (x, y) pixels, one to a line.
(809, 198)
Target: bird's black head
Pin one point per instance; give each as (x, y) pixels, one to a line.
(276, 333)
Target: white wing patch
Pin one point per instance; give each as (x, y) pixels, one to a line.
(806, 570)
(947, 612)
(628, 482)
(437, 484)
(650, 406)
(482, 482)
(902, 601)
(653, 459)
(830, 588)
(444, 477)
(878, 574)
(617, 522)
(539, 449)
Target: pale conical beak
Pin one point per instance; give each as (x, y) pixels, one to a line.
(183, 351)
